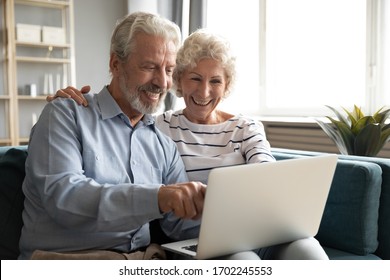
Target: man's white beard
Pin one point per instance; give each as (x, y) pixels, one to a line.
(134, 98)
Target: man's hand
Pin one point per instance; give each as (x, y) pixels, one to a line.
(185, 200)
(71, 92)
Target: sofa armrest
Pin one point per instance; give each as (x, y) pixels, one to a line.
(11, 200)
(350, 220)
(384, 207)
(383, 250)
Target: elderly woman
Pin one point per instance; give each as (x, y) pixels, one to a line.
(207, 137)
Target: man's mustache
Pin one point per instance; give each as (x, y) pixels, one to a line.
(153, 89)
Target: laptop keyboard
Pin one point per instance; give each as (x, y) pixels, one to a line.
(191, 247)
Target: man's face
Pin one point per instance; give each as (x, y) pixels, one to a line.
(147, 75)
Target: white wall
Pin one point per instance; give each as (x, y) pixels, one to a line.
(142, 5)
(94, 21)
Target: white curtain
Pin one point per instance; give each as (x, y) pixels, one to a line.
(173, 10)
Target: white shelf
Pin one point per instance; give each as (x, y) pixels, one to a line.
(42, 45)
(29, 63)
(37, 98)
(5, 141)
(43, 3)
(42, 60)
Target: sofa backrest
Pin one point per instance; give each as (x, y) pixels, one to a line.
(4, 149)
(350, 220)
(12, 174)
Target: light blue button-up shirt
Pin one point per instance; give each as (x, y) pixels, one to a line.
(92, 179)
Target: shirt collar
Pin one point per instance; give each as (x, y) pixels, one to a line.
(109, 108)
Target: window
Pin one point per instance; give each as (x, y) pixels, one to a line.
(295, 57)
(384, 41)
(239, 22)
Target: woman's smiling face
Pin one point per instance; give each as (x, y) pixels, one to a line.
(203, 87)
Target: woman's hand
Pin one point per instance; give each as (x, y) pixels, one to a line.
(71, 92)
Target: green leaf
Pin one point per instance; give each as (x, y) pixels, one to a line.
(385, 132)
(361, 124)
(381, 117)
(357, 112)
(351, 116)
(338, 114)
(385, 135)
(347, 137)
(332, 133)
(367, 141)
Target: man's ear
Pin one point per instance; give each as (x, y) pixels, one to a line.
(115, 64)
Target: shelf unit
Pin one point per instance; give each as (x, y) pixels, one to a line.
(40, 65)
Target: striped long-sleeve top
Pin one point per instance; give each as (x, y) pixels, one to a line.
(238, 140)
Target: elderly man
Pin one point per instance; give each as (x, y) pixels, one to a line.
(96, 176)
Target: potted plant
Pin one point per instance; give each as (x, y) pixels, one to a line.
(356, 133)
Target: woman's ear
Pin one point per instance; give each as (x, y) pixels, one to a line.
(227, 89)
(179, 92)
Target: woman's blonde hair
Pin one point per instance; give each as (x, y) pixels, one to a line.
(203, 44)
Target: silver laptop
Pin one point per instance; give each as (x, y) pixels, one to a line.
(257, 205)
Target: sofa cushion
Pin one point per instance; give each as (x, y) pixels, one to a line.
(12, 174)
(335, 254)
